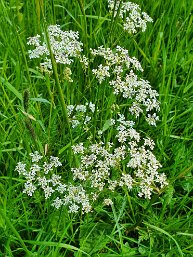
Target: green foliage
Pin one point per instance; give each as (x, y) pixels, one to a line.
(160, 227)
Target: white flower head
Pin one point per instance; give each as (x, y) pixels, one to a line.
(29, 188)
(133, 18)
(36, 156)
(108, 201)
(64, 45)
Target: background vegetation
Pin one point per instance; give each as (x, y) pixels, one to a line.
(161, 226)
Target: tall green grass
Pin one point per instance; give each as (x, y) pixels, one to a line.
(161, 226)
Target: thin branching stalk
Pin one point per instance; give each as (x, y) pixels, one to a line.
(57, 82)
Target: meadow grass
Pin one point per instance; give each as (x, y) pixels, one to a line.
(133, 226)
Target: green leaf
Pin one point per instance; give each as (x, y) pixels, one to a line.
(107, 125)
(11, 88)
(60, 245)
(41, 100)
(167, 234)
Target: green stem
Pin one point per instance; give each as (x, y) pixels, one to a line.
(57, 83)
(130, 205)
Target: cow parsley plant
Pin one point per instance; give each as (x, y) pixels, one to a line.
(104, 164)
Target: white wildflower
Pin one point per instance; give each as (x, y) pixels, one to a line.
(70, 109)
(108, 201)
(64, 46)
(112, 185)
(126, 180)
(32, 173)
(92, 107)
(48, 191)
(55, 179)
(75, 123)
(36, 156)
(73, 208)
(149, 142)
(47, 167)
(151, 119)
(86, 207)
(21, 168)
(87, 119)
(35, 168)
(161, 178)
(57, 203)
(78, 148)
(101, 73)
(130, 13)
(61, 188)
(54, 161)
(80, 108)
(145, 191)
(116, 62)
(42, 181)
(29, 188)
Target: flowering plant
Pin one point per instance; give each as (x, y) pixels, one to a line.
(130, 14)
(104, 164)
(64, 46)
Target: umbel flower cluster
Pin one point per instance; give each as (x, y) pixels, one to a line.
(80, 114)
(40, 175)
(64, 45)
(119, 68)
(131, 15)
(128, 163)
(103, 168)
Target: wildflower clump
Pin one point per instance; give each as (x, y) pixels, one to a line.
(103, 169)
(64, 45)
(118, 67)
(105, 163)
(40, 175)
(131, 15)
(80, 114)
(127, 163)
